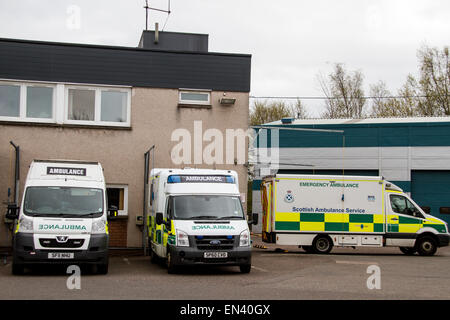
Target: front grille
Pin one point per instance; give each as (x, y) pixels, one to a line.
(214, 242)
(52, 243)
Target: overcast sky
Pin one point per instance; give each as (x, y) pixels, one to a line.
(291, 41)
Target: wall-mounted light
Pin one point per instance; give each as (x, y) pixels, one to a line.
(227, 101)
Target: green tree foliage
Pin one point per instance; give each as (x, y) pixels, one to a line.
(269, 111)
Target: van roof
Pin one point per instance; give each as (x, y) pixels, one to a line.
(193, 171)
(329, 177)
(74, 170)
(66, 161)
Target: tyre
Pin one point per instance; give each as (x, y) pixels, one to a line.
(102, 268)
(245, 268)
(153, 256)
(322, 245)
(17, 269)
(171, 268)
(426, 246)
(408, 251)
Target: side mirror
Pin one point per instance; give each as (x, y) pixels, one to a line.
(112, 212)
(12, 212)
(254, 219)
(159, 218)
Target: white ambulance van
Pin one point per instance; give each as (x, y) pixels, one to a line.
(319, 212)
(196, 217)
(63, 216)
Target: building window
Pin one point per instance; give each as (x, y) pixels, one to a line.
(444, 210)
(114, 106)
(118, 196)
(81, 104)
(194, 97)
(98, 106)
(39, 102)
(65, 104)
(9, 101)
(28, 102)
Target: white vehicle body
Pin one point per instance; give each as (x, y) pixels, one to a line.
(204, 222)
(346, 210)
(63, 215)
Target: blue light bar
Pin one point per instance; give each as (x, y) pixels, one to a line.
(201, 179)
(229, 179)
(174, 179)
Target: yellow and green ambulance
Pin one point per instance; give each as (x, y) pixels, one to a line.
(318, 212)
(196, 218)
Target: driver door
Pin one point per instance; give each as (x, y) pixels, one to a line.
(403, 217)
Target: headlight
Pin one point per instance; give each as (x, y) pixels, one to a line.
(182, 239)
(244, 238)
(25, 225)
(99, 226)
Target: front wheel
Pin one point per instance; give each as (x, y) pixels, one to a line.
(408, 251)
(245, 268)
(171, 268)
(426, 246)
(17, 269)
(322, 245)
(102, 268)
(153, 256)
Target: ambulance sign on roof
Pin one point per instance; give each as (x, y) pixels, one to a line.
(66, 171)
(200, 179)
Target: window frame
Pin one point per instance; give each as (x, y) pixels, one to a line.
(194, 103)
(123, 212)
(417, 207)
(23, 101)
(60, 103)
(97, 106)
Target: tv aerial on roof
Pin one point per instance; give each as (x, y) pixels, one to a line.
(147, 8)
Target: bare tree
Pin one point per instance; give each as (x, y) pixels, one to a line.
(434, 81)
(298, 110)
(344, 92)
(385, 105)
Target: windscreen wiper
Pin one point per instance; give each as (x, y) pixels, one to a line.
(231, 217)
(49, 215)
(90, 214)
(204, 217)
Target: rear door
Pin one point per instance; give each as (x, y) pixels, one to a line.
(266, 199)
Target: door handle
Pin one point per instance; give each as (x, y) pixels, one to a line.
(395, 219)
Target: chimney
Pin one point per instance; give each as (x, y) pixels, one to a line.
(173, 41)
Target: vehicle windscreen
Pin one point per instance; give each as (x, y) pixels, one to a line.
(205, 207)
(63, 201)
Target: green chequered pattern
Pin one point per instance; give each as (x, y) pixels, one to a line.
(358, 223)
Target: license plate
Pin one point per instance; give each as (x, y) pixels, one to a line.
(212, 255)
(60, 255)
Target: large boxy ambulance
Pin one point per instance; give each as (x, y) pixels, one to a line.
(196, 218)
(319, 212)
(63, 216)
